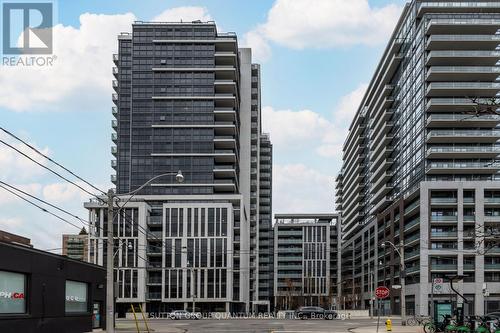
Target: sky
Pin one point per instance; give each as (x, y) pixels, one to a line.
(316, 58)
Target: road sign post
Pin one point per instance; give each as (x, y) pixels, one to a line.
(381, 293)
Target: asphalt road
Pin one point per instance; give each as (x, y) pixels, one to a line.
(254, 325)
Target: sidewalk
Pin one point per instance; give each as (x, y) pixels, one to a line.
(395, 329)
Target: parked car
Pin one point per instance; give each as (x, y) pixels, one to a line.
(183, 314)
(314, 312)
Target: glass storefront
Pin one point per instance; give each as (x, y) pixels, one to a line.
(12, 293)
(76, 297)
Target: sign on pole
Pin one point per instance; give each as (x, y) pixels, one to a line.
(438, 286)
(382, 292)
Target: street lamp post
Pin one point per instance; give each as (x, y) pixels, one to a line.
(401, 253)
(192, 285)
(110, 306)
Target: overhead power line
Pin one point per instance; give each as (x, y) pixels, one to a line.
(47, 168)
(51, 160)
(87, 223)
(40, 207)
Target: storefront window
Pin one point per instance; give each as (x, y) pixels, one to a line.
(76, 297)
(12, 292)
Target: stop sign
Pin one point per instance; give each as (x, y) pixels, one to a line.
(382, 292)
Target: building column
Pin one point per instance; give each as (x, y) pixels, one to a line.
(423, 293)
(479, 257)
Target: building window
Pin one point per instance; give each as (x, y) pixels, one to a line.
(12, 292)
(76, 297)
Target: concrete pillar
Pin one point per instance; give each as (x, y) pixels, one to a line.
(422, 295)
(479, 257)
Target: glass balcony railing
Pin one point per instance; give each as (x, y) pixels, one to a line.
(463, 38)
(438, 200)
(439, 234)
(492, 266)
(439, 218)
(463, 85)
(491, 200)
(447, 267)
(462, 165)
(472, 133)
(490, 149)
(466, 54)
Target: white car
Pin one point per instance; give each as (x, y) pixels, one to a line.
(183, 314)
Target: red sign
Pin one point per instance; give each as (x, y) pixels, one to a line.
(382, 292)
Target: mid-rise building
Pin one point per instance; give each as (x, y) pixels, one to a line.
(76, 246)
(420, 163)
(306, 253)
(186, 98)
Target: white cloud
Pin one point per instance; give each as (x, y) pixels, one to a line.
(81, 75)
(185, 14)
(301, 189)
(349, 104)
(80, 78)
(10, 222)
(7, 198)
(58, 193)
(327, 23)
(261, 50)
(293, 130)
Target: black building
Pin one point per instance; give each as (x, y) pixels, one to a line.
(47, 293)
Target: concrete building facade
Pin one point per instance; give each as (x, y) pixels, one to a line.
(306, 253)
(187, 98)
(420, 163)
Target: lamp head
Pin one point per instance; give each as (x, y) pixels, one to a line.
(179, 177)
(130, 246)
(382, 245)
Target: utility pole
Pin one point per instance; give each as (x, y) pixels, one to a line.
(110, 307)
(371, 278)
(193, 285)
(403, 286)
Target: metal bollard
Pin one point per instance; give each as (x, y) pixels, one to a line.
(388, 325)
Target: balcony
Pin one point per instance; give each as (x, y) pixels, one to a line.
(114, 150)
(444, 234)
(225, 141)
(492, 266)
(483, 89)
(492, 218)
(443, 267)
(492, 200)
(114, 110)
(461, 168)
(461, 120)
(449, 105)
(113, 163)
(114, 137)
(114, 97)
(443, 201)
(113, 178)
(224, 171)
(463, 152)
(225, 87)
(225, 58)
(462, 58)
(463, 42)
(463, 136)
(471, 6)
(115, 58)
(115, 71)
(463, 73)
(224, 185)
(464, 26)
(225, 114)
